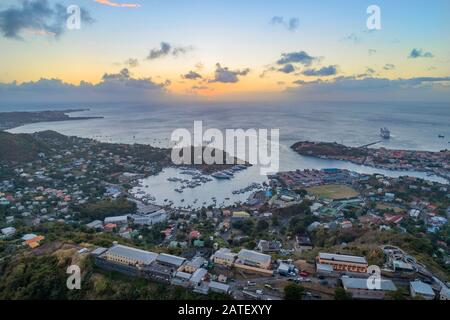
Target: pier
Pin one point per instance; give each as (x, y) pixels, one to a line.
(371, 144)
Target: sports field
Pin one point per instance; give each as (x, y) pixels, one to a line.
(333, 191)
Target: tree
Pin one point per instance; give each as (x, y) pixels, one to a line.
(293, 292)
(396, 295)
(262, 225)
(341, 294)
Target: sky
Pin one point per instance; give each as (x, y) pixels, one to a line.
(148, 50)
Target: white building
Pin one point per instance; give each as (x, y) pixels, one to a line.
(117, 220)
(421, 289)
(9, 231)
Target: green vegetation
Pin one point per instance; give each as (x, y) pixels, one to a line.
(333, 191)
(293, 292)
(341, 294)
(104, 208)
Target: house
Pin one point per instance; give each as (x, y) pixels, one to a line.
(33, 242)
(110, 227)
(224, 257)
(324, 269)
(240, 215)
(9, 231)
(269, 246)
(117, 220)
(150, 219)
(420, 289)
(360, 290)
(96, 225)
(343, 262)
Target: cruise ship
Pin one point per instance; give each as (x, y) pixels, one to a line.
(385, 133)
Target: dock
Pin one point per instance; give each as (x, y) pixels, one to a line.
(371, 144)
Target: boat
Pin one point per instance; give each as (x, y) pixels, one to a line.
(385, 133)
(220, 175)
(441, 136)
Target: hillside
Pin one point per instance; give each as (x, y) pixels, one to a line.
(20, 147)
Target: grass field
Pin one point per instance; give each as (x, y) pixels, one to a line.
(333, 191)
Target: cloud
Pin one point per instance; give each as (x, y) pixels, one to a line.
(132, 63)
(419, 53)
(191, 75)
(292, 24)
(115, 4)
(166, 49)
(288, 68)
(373, 89)
(389, 66)
(300, 57)
(372, 52)
(200, 88)
(37, 17)
(322, 72)
(225, 75)
(113, 87)
(353, 37)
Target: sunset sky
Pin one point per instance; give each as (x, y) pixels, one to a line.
(223, 49)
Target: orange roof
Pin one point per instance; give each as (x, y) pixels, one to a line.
(34, 240)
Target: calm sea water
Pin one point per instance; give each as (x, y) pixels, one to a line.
(413, 126)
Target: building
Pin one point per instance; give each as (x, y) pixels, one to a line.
(240, 215)
(130, 256)
(420, 289)
(444, 294)
(170, 260)
(343, 262)
(359, 289)
(192, 265)
(96, 225)
(324, 270)
(269, 246)
(116, 220)
(219, 287)
(33, 242)
(9, 231)
(253, 259)
(224, 257)
(198, 276)
(150, 219)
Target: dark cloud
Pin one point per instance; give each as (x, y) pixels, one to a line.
(200, 87)
(300, 57)
(322, 72)
(37, 16)
(288, 68)
(121, 86)
(419, 53)
(292, 24)
(225, 75)
(166, 49)
(374, 89)
(389, 66)
(191, 75)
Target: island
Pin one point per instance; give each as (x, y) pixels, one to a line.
(10, 120)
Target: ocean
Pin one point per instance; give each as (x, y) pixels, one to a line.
(414, 126)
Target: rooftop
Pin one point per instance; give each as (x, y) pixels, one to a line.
(359, 283)
(132, 253)
(421, 288)
(170, 259)
(342, 258)
(254, 256)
